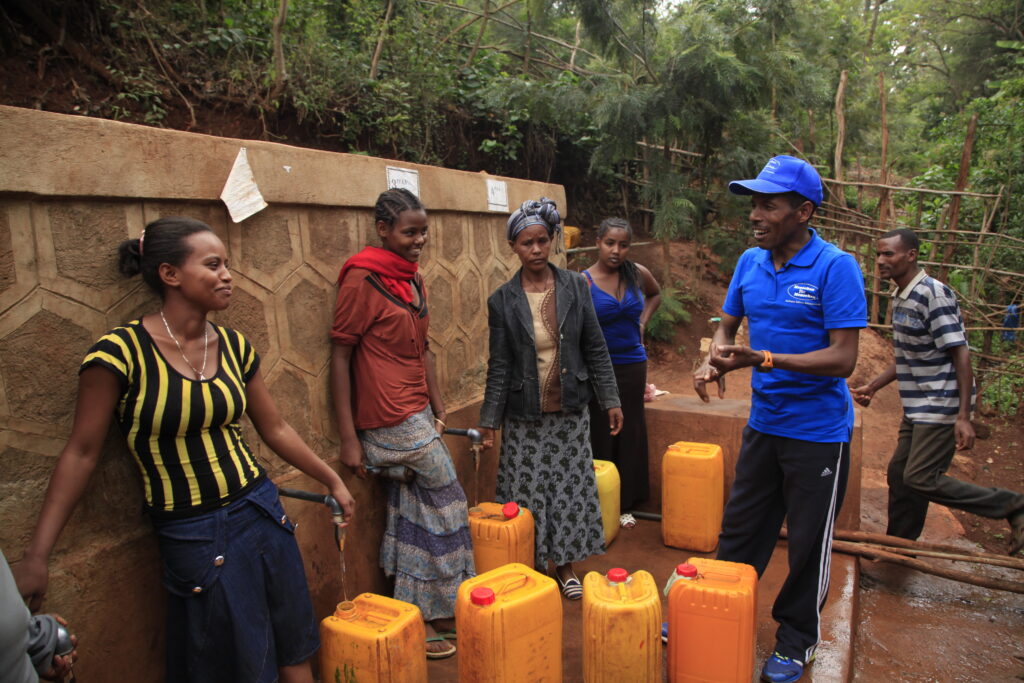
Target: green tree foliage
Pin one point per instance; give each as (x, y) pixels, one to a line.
(564, 91)
(638, 107)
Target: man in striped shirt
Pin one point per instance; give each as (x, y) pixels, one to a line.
(933, 369)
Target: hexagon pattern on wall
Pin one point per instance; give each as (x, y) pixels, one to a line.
(305, 307)
(330, 235)
(42, 342)
(267, 247)
(60, 290)
(468, 259)
(76, 244)
(18, 272)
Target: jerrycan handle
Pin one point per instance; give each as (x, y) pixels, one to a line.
(720, 576)
(513, 584)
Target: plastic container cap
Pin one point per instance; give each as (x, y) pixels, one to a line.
(346, 610)
(617, 575)
(687, 570)
(510, 510)
(481, 596)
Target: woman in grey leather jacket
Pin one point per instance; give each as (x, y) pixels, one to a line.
(547, 358)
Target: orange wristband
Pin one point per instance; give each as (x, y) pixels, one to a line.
(768, 362)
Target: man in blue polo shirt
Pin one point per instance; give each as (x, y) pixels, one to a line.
(804, 303)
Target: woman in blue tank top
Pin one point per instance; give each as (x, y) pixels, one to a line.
(625, 297)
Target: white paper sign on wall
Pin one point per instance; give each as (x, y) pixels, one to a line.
(241, 194)
(405, 178)
(497, 195)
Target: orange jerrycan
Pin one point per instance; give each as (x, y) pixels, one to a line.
(502, 533)
(621, 628)
(711, 628)
(608, 491)
(691, 496)
(373, 639)
(510, 627)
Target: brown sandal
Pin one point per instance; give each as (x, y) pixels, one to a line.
(440, 654)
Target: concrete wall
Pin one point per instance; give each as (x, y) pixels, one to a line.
(71, 189)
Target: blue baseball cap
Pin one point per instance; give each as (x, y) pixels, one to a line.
(783, 174)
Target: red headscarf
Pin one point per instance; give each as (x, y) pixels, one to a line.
(395, 272)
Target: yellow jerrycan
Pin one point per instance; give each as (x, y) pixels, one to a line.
(621, 628)
(691, 496)
(510, 627)
(373, 639)
(608, 491)
(711, 627)
(502, 533)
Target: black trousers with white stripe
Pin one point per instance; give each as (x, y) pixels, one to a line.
(802, 482)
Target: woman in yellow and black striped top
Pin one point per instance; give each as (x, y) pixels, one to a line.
(239, 606)
(183, 432)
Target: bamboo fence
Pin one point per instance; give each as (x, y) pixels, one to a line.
(989, 290)
(984, 290)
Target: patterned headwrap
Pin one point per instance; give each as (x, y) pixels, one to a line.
(534, 212)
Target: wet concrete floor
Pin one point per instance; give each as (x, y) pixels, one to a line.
(881, 623)
(915, 627)
(641, 548)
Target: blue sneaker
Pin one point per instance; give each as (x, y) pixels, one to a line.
(664, 632)
(779, 669)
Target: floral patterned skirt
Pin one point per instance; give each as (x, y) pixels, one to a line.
(426, 545)
(547, 467)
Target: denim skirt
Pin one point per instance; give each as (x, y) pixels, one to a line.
(239, 605)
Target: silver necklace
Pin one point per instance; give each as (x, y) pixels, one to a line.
(206, 346)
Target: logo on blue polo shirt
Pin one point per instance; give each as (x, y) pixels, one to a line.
(803, 293)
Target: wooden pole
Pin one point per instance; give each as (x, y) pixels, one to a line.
(857, 545)
(280, 71)
(810, 131)
(576, 44)
(876, 282)
(375, 61)
(875, 553)
(898, 542)
(1001, 561)
(529, 41)
(841, 132)
(860, 188)
(883, 200)
(924, 190)
(961, 184)
(985, 226)
(625, 189)
(483, 29)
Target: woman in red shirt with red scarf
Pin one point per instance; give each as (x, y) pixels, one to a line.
(390, 413)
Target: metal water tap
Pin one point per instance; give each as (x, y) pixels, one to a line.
(337, 514)
(476, 439)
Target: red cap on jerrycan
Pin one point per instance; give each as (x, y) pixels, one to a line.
(510, 510)
(684, 571)
(617, 575)
(481, 596)
(687, 570)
